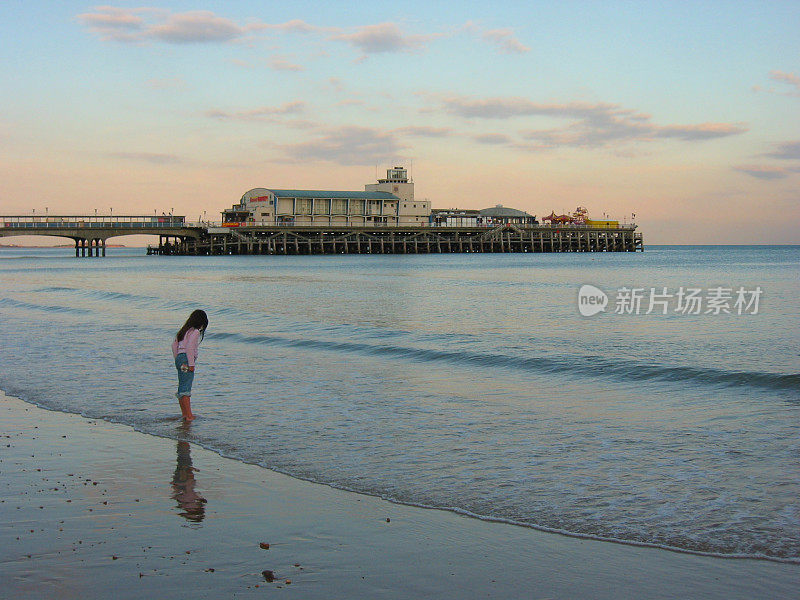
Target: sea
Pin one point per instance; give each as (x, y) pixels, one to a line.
(475, 383)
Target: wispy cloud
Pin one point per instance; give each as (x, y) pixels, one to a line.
(283, 63)
(492, 138)
(504, 39)
(349, 145)
(384, 37)
(786, 151)
(294, 26)
(506, 108)
(148, 157)
(147, 24)
(788, 78)
(591, 125)
(244, 64)
(141, 25)
(699, 132)
(112, 23)
(423, 131)
(257, 114)
(763, 172)
(200, 26)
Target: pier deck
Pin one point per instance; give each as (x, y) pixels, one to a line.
(402, 240)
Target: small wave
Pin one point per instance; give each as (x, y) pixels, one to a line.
(99, 294)
(231, 453)
(45, 307)
(587, 366)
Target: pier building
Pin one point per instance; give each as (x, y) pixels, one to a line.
(466, 217)
(390, 201)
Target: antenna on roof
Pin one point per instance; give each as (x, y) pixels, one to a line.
(411, 170)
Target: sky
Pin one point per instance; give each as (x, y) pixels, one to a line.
(684, 114)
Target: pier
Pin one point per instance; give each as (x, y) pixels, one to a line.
(294, 239)
(90, 233)
(177, 237)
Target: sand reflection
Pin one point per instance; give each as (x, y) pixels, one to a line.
(191, 504)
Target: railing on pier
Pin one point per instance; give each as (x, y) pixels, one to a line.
(95, 221)
(378, 225)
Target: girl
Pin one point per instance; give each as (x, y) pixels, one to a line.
(184, 349)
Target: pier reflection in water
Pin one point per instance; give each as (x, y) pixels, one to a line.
(191, 504)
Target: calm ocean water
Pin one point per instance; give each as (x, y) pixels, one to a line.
(466, 382)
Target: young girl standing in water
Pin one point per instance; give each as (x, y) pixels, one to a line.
(184, 349)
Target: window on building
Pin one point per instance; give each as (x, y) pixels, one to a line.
(322, 206)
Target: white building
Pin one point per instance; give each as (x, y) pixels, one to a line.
(388, 202)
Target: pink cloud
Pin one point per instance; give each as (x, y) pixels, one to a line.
(192, 27)
(257, 114)
(282, 63)
(786, 151)
(383, 37)
(349, 145)
(504, 39)
(112, 23)
(788, 78)
(591, 124)
(200, 26)
(424, 131)
(763, 172)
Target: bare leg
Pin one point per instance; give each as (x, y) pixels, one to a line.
(186, 408)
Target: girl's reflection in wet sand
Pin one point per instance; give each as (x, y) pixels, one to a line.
(191, 504)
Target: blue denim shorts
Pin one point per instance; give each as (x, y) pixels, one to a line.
(185, 376)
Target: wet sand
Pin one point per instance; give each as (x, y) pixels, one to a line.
(90, 509)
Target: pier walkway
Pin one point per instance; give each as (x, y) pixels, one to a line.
(91, 232)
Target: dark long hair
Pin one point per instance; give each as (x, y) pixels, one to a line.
(199, 320)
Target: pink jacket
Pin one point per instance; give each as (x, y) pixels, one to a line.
(188, 345)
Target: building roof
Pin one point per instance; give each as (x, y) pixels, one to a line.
(330, 194)
(502, 211)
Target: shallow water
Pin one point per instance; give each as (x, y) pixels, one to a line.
(468, 382)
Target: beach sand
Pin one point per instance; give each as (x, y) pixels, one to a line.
(96, 510)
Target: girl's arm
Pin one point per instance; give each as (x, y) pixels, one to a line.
(191, 341)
